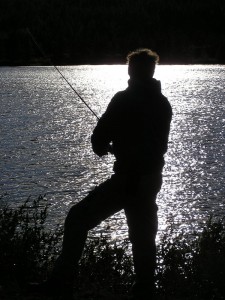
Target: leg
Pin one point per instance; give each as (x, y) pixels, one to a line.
(141, 213)
(102, 202)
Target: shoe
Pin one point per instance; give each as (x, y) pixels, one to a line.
(52, 288)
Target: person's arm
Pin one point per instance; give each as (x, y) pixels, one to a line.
(167, 118)
(102, 134)
(101, 138)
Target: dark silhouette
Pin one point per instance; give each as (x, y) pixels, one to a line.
(135, 128)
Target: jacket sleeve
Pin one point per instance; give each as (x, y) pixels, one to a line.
(102, 134)
(100, 138)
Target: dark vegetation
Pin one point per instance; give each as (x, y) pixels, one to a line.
(100, 31)
(187, 268)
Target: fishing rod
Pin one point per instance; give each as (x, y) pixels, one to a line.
(57, 69)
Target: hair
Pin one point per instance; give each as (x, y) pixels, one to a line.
(141, 62)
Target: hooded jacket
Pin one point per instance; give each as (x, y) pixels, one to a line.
(136, 123)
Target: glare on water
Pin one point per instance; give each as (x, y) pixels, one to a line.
(45, 140)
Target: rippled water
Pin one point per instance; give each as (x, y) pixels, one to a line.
(45, 140)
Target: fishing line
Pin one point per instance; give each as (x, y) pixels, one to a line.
(57, 69)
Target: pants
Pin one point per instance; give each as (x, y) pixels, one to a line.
(136, 195)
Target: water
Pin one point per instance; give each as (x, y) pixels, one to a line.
(45, 140)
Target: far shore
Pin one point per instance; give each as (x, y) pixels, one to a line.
(104, 61)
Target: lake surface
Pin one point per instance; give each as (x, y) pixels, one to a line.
(45, 140)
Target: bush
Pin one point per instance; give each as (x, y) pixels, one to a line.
(105, 267)
(191, 268)
(27, 250)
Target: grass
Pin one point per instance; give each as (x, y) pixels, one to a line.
(187, 269)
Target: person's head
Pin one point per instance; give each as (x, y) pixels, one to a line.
(141, 63)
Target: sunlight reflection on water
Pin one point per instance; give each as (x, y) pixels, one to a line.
(45, 140)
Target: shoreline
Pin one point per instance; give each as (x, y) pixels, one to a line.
(105, 61)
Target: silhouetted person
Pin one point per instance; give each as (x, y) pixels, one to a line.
(135, 128)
